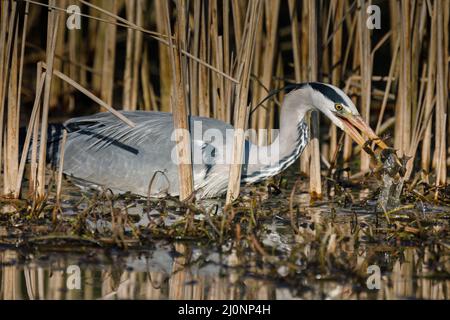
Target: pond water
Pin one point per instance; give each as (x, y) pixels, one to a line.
(165, 273)
(274, 249)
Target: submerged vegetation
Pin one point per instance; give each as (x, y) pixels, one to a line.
(324, 220)
(262, 243)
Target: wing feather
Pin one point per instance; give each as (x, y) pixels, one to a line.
(105, 151)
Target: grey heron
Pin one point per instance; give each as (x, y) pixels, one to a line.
(102, 151)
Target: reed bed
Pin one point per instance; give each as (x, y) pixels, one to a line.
(218, 58)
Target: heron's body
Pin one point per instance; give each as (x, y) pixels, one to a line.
(103, 151)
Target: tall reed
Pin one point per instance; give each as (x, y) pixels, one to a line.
(315, 186)
(178, 101)
(244, 62)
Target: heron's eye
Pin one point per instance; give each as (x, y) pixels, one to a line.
(339, 107)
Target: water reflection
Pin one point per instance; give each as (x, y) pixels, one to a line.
(323, 254)
(176, 272)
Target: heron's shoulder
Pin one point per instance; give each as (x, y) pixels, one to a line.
(157, 125)
(140, 117)
(210, 123)
(107, 129)
(108, 118)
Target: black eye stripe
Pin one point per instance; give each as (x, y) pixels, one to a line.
(328, 92)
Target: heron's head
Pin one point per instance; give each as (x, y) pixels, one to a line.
(339, 108)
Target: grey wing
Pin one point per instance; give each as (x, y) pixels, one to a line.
(104, 151)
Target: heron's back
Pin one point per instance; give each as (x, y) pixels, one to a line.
(102, 150)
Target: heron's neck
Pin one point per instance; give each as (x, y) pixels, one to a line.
(267, 161)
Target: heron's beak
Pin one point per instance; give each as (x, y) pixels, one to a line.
(354, 123)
